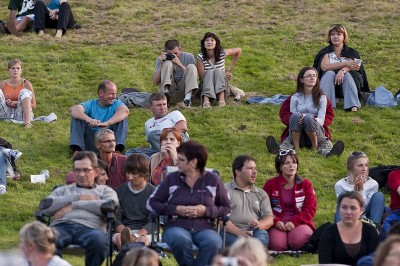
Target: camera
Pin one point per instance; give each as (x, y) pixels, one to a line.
(169, 56)
(229, 261)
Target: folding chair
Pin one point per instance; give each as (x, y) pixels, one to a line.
(108, 210)
(156, 242)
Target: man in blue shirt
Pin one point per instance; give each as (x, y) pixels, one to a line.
(103, 112)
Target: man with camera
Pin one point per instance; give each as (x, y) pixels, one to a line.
(176, 73)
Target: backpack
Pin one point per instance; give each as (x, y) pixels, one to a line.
(312, 245)
(381, 97)
(380, 173)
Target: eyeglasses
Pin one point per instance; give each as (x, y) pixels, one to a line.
(85, 170)
(311, 76)
(285, 152)
(357, 153)
(109, 141)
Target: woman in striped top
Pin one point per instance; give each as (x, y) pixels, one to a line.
(211, 68)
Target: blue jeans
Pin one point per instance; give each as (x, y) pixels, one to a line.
(94, 241)
(181, 242)
(261, 235)
(3, 168)
(82, 134)
(374, 210)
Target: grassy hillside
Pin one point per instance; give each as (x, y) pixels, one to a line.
(120, 41)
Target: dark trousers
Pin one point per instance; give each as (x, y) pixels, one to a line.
(42, 18)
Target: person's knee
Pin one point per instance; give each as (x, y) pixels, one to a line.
(278, 245)
(96, 241)
(294, 118)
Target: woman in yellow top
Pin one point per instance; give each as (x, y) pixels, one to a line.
(17, 97)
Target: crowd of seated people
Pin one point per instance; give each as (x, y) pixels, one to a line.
(192, 197)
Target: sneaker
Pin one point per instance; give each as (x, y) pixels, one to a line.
(3, 189)
(337, 149)
(14, 155)
(272, 145)
(286, 145)
(187, 102)
(167, 95)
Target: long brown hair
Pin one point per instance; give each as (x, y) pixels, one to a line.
(316, 91)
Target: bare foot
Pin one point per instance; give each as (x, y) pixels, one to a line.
(59, 34)
(41, 32)
(28, 125)
(354, 109)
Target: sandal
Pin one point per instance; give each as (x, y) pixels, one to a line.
(221, 104)
(17, 176)
(206, 105)
(28, 125)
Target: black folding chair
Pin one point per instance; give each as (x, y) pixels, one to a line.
(108, 210)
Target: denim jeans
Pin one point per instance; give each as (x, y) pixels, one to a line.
(374, 210)
(82, 134)
(3, 168)
(181, 242)
(94, 241)
(261, 235)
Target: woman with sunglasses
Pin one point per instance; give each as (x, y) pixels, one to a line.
(211, 68)
(170, 140)
(341, 72)
(293, 204)
(306, 117)
(359, 181)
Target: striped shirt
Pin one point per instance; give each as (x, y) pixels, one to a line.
(209, 65)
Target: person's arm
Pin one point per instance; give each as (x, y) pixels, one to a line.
(200, 68)
(235, 52)
(158, 201)
(309, 207)
(233, 229)
(181, 126)
(372, 237)
(326, 65)
(222, 202)
(326, 245)
(57, 200)
(92, 205)
(121, 113)
(29, 86)
(321, 110)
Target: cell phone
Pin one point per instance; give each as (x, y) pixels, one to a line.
(229, 261)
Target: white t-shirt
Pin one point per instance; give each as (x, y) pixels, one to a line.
(170, 120)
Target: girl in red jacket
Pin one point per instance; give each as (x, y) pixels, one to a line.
(293, 204)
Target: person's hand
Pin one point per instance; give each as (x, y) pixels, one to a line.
(289, 226)
(87, 197)
(191, 211)
(163, 57)
(339, 77)
(301, 119)
(93, 122)
(9, 103)
(53, 14)
(352, 65)
(359, 183)
(61, 212)
(103, 124)
(280, 226)
(171, 150)
(163, 150)
(228, 75)
(254, 223)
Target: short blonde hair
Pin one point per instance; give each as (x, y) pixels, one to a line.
(141, 257)
(253, 248)
(40, 235)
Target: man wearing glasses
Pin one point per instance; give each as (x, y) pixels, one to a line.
(103, 112)
(105, 144)
(161, 119)
(77, 210)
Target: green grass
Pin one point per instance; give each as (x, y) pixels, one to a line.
(120, 41)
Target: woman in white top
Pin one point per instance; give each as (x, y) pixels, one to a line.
(211, 68)
(37, 244)
(358, 180)
(308, 108)
(340, 69)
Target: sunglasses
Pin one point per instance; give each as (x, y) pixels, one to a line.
(337, 26)
(357, 153)
(285, 152)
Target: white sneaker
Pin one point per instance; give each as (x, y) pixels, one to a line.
(13, 155)
(3, 189)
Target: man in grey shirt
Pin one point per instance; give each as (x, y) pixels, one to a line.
(251, 208)
(176, 73)
(76, 210)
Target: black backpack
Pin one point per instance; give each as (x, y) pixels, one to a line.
(380, 173)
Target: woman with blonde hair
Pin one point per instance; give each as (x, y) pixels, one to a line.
(17, 97)
(141, 257)
(37, 244)
(249, 251)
